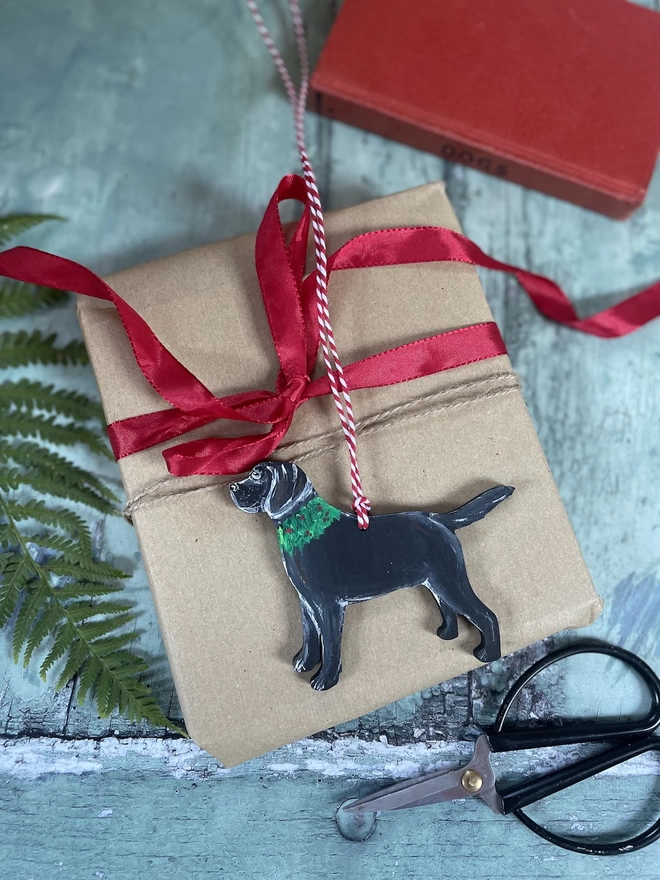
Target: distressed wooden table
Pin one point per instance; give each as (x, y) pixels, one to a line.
(156, 127)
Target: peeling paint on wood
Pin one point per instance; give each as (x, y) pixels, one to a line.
(260, 827)
(350, 758)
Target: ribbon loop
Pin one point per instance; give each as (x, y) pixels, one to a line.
(280, 269)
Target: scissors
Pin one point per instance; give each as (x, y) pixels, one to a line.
(627, 739)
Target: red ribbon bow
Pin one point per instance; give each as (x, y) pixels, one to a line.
(290, 305)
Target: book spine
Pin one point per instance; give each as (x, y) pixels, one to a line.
(545, 180)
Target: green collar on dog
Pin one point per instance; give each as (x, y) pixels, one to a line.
(306, 525)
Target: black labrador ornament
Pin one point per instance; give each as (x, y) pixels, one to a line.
(332, 563)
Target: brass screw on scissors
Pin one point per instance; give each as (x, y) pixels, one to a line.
(472, 781)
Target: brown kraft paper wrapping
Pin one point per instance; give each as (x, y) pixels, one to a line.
(229, 616)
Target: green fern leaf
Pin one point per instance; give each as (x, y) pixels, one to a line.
(65, 546)
(20, 349)
(129, 667)
(52, 431)
(18, 299)
(88, 678)
(16, 575)
(43, 627)
(112, 699)
(28, 613)
(78, 611)
(60, 518)
(81, 589)
(85, 609)
(95, 629)
(46, 484)
(65, 637)
(106, 647)
(27, 395)
(97, 608)
(141, 704)
(31, 455)
(15, 224)
(119, 659)
(86, 634)
(88, 569)
(52, 588)
(78, 655)
(103, 691)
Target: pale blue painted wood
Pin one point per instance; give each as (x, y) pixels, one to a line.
(130, 812)
(136, 825)
(155, 128)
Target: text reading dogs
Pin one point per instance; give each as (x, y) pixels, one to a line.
(332, 563)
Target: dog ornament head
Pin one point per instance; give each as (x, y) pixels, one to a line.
(272, 487)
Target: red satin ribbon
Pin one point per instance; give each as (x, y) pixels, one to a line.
(290, 306)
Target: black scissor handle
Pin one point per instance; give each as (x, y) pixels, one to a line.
(508, 740)
(529, 792)
(631, 739)
(514, 799)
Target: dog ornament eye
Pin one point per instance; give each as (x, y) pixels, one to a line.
(257, 473)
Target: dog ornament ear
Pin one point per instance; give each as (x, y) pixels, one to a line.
(288, 485)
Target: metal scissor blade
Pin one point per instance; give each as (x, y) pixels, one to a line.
(441, 786)
(476, 779)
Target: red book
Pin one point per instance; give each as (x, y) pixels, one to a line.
(559, 95)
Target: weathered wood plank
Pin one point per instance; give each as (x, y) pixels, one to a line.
(139, 808)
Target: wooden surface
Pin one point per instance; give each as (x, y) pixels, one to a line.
(156, 127)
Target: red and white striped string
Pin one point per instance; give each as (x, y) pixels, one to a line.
(340, 392)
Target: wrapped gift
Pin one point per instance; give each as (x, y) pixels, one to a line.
(229, 616)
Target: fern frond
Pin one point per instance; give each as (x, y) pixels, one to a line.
(139, 703)
(14, 224)
(59, 518)
(43, 627)
(25, 424)
(106, 647)
(69, 549)
(16, 576)
(65, 636)
(48, 484)
(53, 592)
(18, 299)
(88, 678)
(25, 395)
(95, 629)
(28, 613)
(52, 542)
(77, 656)
(99, 608)
(34, 457)
(89, 636)
(20, 349)
(120, 688)
(127, 665)
(78, 611)
(89, 570)
(104, 687)
(82, 589)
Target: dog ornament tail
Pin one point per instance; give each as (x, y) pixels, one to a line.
(474, 510)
